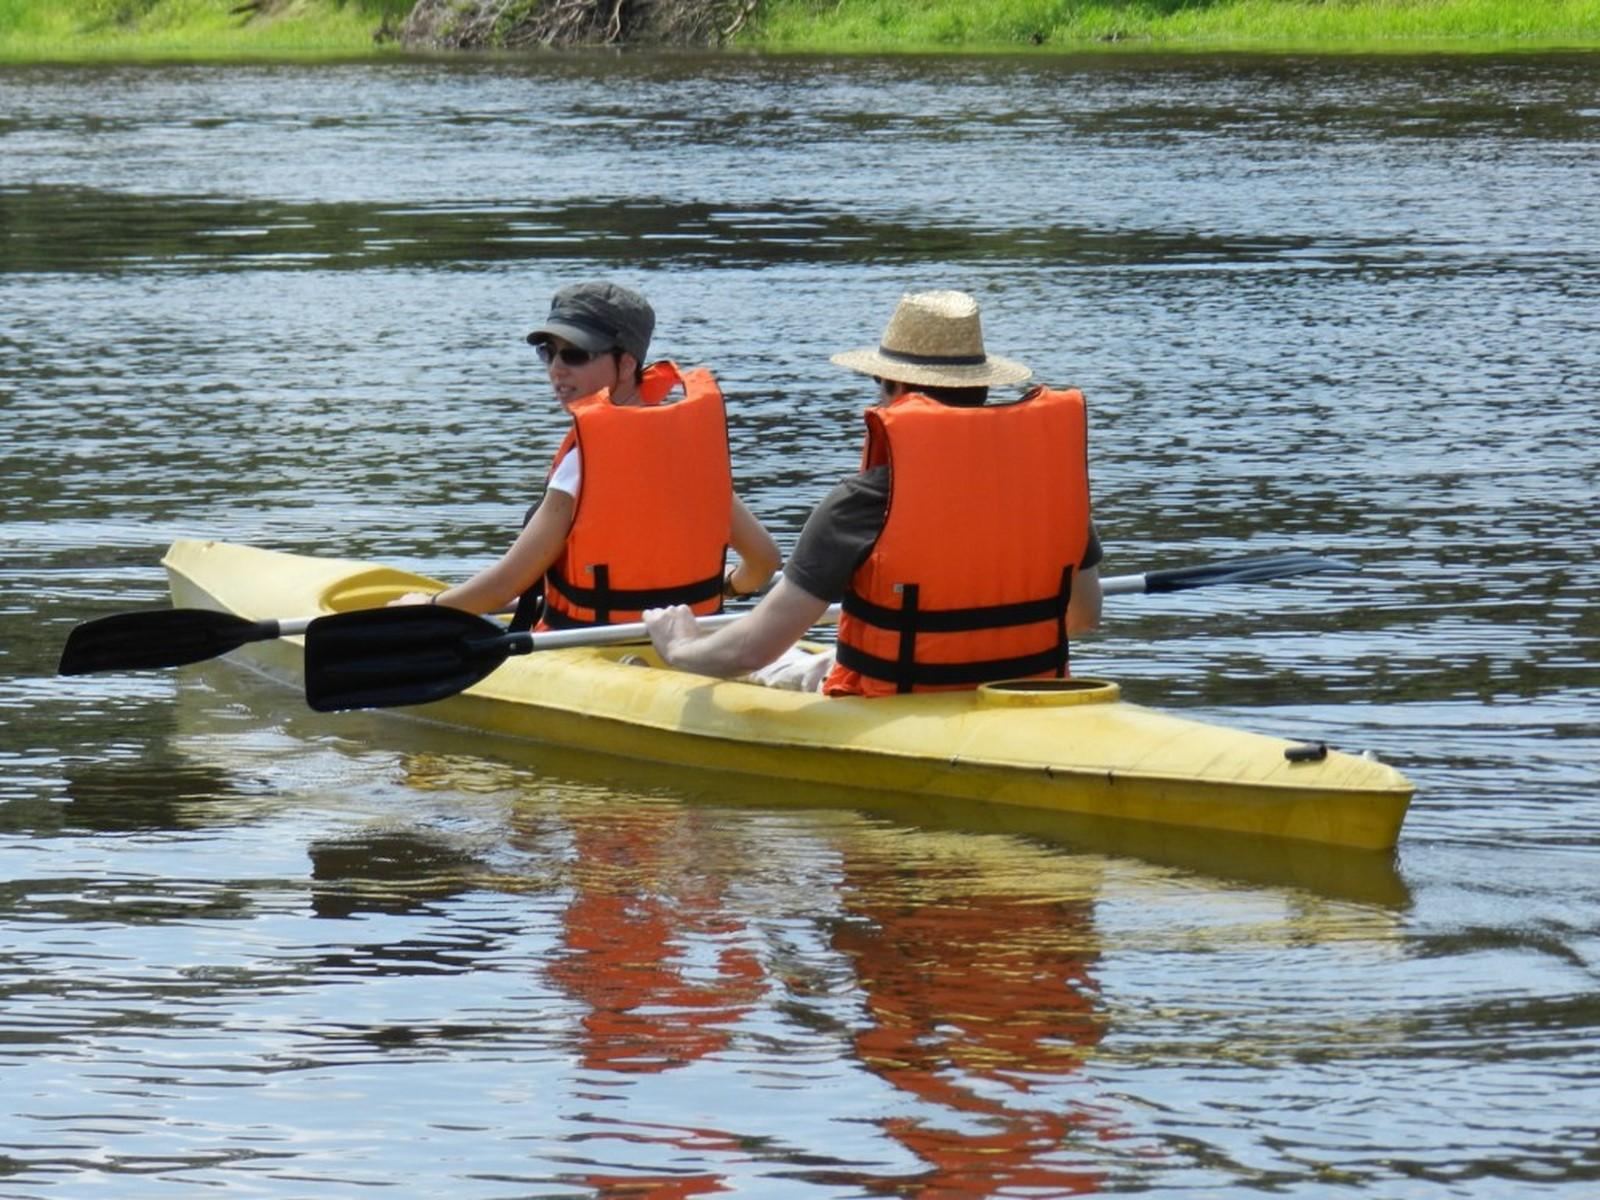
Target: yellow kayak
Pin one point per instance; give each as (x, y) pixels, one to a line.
(1070, 746)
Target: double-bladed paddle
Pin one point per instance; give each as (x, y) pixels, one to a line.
(389, 657)
(401, 654)
(165, 637)
(1256, 568)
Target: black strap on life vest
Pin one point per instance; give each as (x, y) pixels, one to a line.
(604, 599)
(910, 619)
(530, 607)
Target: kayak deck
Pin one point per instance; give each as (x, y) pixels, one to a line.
(1071, 746)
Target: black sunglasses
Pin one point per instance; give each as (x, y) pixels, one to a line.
(570, 355)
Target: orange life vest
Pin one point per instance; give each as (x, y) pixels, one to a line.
(655, 507)
(970, 578)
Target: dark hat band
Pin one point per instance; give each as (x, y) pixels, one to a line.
(933, 360)
(582, 322)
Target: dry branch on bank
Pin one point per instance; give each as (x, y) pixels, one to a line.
(513, 24)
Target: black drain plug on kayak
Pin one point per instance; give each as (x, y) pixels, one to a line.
(1306, 752)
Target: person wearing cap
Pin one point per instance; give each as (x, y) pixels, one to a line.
(962, 552)
(638, 508)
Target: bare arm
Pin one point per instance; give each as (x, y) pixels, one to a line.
(1083, 609)
(497, 587)
(753, 641)
(758, 553)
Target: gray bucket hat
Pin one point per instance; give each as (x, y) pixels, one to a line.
(598, 317)
(935, 339)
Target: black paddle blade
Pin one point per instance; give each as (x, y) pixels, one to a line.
(387, 657)
(166, 637)
(1255, 569)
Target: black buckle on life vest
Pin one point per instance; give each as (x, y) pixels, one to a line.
(910, 619)
(604, 599)
(530, 607)
(907, 677)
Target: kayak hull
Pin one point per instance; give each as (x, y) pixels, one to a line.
(1074, 747)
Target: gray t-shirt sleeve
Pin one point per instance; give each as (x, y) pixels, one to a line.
(839, 534)
(841, 531)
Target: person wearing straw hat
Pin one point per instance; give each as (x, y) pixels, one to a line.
(962, 552)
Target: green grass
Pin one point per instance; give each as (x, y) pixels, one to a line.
(125, 30)
(844, 26)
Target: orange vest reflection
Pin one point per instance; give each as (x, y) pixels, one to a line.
(651, 949)
(980, 1006)
(980, 998)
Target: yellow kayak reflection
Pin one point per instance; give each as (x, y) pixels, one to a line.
(700, 921)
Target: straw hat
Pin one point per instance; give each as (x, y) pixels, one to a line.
(935, 339)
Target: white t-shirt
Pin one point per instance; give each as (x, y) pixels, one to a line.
(568, 475)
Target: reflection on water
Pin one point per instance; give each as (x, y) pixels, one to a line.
(54, 229)
(1344, 306)
(393, 872)
(982, 1004)
(652, 948)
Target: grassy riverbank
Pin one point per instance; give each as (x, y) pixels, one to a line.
(87, 30)
(1299, 25)
(129, 30)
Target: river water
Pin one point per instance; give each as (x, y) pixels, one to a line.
(1347, 306)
